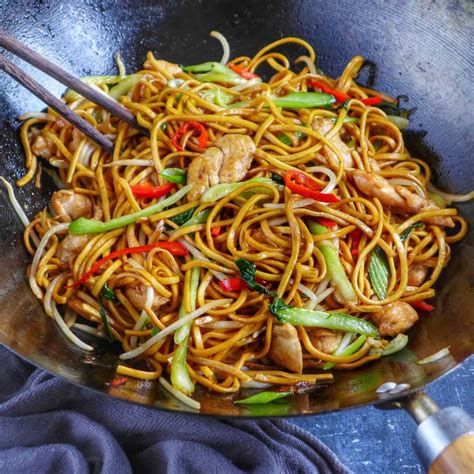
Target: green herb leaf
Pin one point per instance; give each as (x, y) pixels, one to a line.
(285, 139)
(248, 271)
(108, 294)
(105, 320)
(379, 272)
(277, 178)
(200, 218)
(406, 233)
(278, 305)
(174, 175)
(180, 219)
(263, 397)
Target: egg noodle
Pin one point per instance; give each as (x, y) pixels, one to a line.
(267, 281)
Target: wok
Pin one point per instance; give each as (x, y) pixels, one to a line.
(421, 49)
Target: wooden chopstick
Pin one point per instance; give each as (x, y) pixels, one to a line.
(66, 78)
(58, 105)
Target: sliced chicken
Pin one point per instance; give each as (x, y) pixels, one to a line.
(285, 349)
(395, 318)
(203, 172)
(417, 274)
(323, 126)
(71, 246)
(227, 161)
(67, 205)
(398, 197)
(42, 147)
(325, 340)
(171, 68)
(138, 294)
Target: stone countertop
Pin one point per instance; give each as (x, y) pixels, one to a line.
(370, 440)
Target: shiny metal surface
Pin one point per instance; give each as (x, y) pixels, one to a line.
(439, 430)
(421, 48)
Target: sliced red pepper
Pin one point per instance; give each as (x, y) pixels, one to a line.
(422, 305)
(216, 231)
(118, 382)
(146, 190)
(372, 100)
(174, 248)
(241, 71)
(305, 186)
(340, 96)
(233, 284)
(203, 137)
(325, 222)
(356, 236)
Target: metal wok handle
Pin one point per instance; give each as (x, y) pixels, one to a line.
(444, 439)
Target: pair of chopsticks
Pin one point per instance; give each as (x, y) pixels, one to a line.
(69, 80)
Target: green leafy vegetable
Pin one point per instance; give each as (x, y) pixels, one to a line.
(263, 397)
(406, 233)
(108, 293)
(396, 344)
(248, 271)
(215, 72)
(277, 178)
(379, 272)
(182, 333)
(322, 319)
(349, 350)
(105, 320)
(285, 139)
(217, 97)
(154, 331)
(276, 408)
(91, 226)
(298, 100)
(180, 219)
(400, 122)
(123, 87)
(200, 218)
(335, 269)
(220, 190)
(91, 81)
(174, 175)
(347, 120)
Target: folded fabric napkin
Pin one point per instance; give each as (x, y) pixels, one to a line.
(50, 426)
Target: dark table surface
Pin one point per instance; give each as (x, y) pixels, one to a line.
(370, 440)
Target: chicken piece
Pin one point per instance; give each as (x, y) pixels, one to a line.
(323, 126)
(203, 172)
(417, 274)
(226, 162)
(285, 349)
(376, 186)
(67, 205)
(374, 165)
(71, 246)
(416, 204)
(42, 147)
(238, 153)
(171, 68)
(395, 318)
(325, 340)
(137, 296)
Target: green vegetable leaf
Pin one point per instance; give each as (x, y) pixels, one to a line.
(108, 293)
(278, 305)
(154, 331)
(379, 272)
(349, 350)
(124, 86)
(406, 233)
(285, 139)
(299, 100)
(215, 72)
(180, 219)
(263, 397)
(247, 273)
(200, 218)
(396, 344)
(277, 178)
(174, 175)
(221, 190)
(105, 320)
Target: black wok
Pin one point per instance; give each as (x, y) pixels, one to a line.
(422, 49)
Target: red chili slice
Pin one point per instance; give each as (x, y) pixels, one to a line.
(422, 305)
(241, 71)
(325, 222)
(175, 248)
(216, 231)
(233, 284)
(372, 100)
(339, 96)
(305, 186)
(356, 236)
(118, 382)
(203, 137)
(146, 190)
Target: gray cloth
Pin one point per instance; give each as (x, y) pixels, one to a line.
(50, 426)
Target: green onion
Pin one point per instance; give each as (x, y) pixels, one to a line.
(217, 97)
(321, 319)
(200, 218)
(124, 86)
(182, 218)
(379, 272)
(220, 190)
(396, 344)
(400, 122)
(299, 100)
(406, 233)
(183, 332)
(174, 175)
(347, 120)
(91, 226)
(263, 397)
(349, 350)
(215, 72)
(333, 263)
